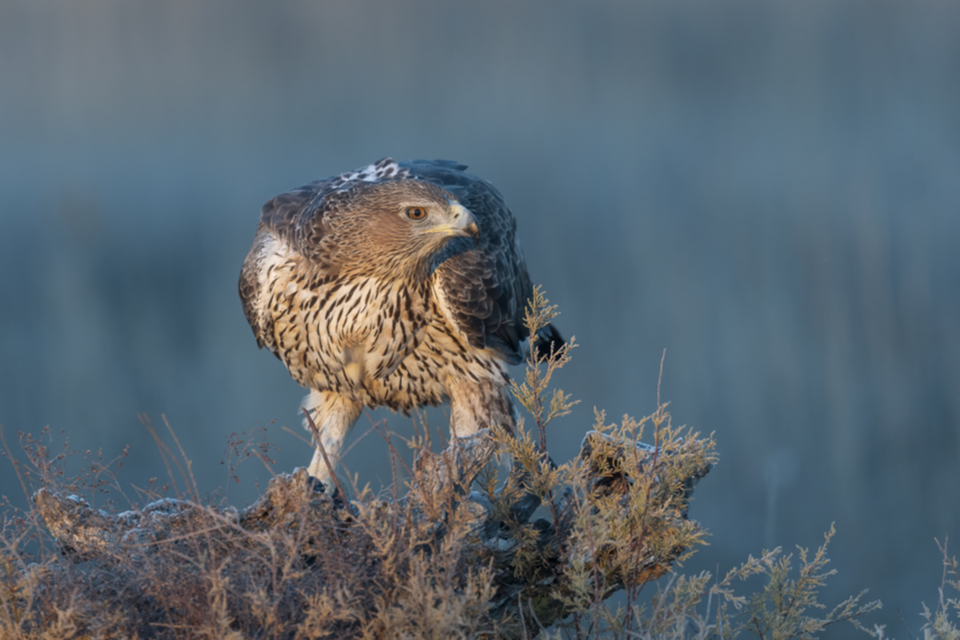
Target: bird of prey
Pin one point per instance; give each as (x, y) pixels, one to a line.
(400, 284)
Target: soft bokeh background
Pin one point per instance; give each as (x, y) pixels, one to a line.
(770, 191)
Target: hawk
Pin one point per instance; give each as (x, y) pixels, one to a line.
(400, 284)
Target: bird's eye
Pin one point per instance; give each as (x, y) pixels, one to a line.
(416, 213)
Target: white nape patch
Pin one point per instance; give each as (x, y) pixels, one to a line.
(380, 170)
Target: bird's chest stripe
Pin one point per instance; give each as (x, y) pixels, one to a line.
(354, 332)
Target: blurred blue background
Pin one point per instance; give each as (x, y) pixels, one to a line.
(770, 191)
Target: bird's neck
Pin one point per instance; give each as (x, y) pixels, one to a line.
(392, 269)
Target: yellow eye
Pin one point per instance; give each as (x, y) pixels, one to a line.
(416, 213)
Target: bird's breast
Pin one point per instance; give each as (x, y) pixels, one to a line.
(347, 334)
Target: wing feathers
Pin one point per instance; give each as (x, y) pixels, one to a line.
(485, 282)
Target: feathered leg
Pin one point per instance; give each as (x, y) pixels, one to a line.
(478, 405)
(334, 415)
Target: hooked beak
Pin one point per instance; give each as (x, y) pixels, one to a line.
(463, 223)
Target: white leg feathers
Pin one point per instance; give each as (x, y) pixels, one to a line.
(478, 405)
(333, 415)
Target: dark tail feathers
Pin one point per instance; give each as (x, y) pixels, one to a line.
(548, 338)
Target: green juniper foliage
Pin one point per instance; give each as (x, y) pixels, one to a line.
(453, 552)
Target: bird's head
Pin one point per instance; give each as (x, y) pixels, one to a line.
(399, 225)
